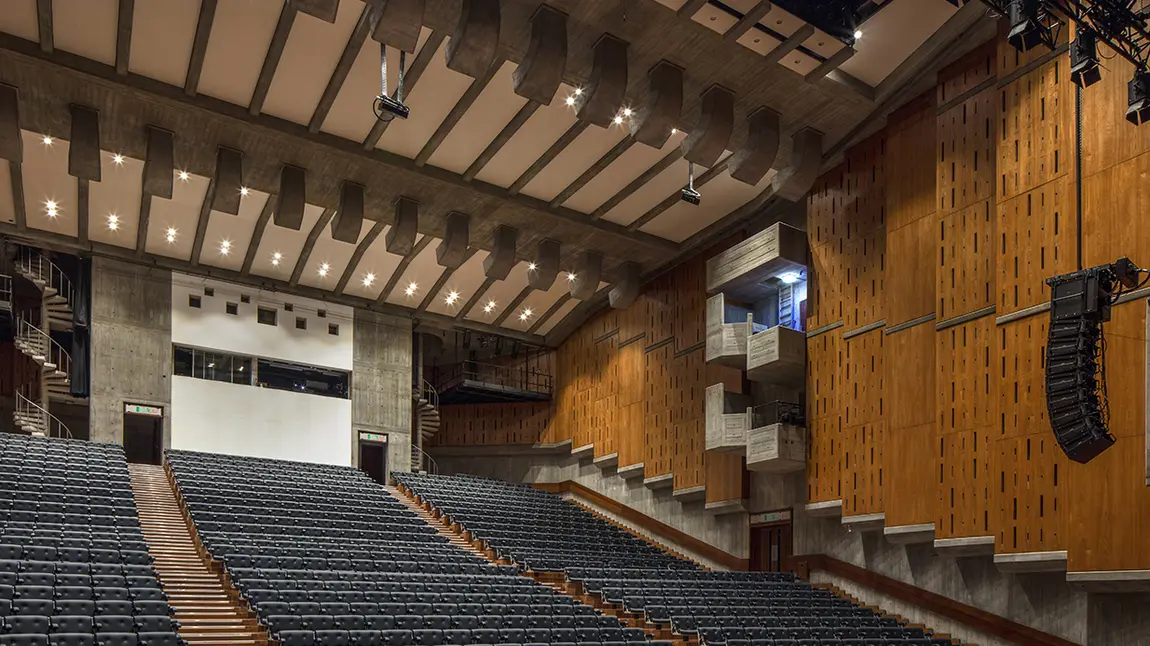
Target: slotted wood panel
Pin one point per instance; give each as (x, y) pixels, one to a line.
(965, 357)
(473, 424)
(825, 285)
(909, 283)
(966, 260)
(824, 374)
(862, 476)
(907, 458)
(688, 433)
(863, 378)
(826, 208)
(1111, 200)
(690, 324)
(629, 420)
(1037, 234)
(659, 301)
(825, 459)
(1010, 59)
(657, 416)
(1020, 379)
(964, 477)
(966, 151)
(864, 206)
(1107, 139)
(1036, 123)
(910, 146)
(909, 361)
(968, 72)
(1031, 512)
(863, 279)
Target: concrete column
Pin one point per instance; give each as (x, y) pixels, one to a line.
(381, 383)
(131, 345)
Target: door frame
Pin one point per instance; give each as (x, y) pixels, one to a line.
(371, 438)
(149, 411)
(772, 519)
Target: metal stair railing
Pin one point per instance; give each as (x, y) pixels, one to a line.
(53, 427)
(31, 262)
(54, 353)
(5, 293)
(426, 462)
(428, 392)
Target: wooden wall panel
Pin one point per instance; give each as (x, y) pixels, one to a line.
(689, 439)
(1036, 125)
(691, 304)
(907, 458)
(657, 416)
(825, 459)
(965, 379)
(966, 272)
(1107, 139)
(864, 207)
(911, 146)
(966, 150)
(862, 476)
(525, 423)
(826, 208)
(1110, 226)
(1020, 379)
(863, 279)
(863, 379)
(1037, 233)
(726, 477)
(965, 477)
(909, 285)
(967, 73)
(824, 374)
(825, 284)
(910, 376)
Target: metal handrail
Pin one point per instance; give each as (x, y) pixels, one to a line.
(776, 412)
(53, 427)
(425, 455)
(6, 292)
(32, 262)
(508, 376)
(54, 352)
(428, 392)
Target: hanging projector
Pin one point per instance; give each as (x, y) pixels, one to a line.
(689, 194)
(1076, 401)
(389, 107)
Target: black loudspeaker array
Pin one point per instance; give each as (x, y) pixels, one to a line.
(1075, 401)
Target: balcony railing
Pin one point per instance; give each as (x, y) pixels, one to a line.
(777, 412)
(507, 377)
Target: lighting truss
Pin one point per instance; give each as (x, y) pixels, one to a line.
(1117, 23)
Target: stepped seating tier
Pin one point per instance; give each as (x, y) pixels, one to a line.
(325, 556)
(545, 533)
(75, 568)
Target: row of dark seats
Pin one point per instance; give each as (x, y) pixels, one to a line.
(566, 632)
(41, 552)
(444, 564)
(513, 637)
(44, 624)
(53, 607)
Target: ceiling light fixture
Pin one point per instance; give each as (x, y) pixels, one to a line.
(489, 307)
(113, 221)
(525, 315)
(276, 257)
(618, 119)
(323, 268)
(790, 278)
(531, 266)
(368, 279)
(51, 208)
(858, 34)
(452, 296)
(674, 131)
(183, 176)
(570, 100)
(570, 276)
(578, 91)
(171, 235)
(118, 159)
(225, 246)
(244, 191)
(626, 112)
(411, 287)
(47, 140)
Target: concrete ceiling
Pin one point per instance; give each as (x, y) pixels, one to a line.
(282, 86)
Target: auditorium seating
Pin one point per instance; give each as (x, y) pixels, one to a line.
(74, 567)
(543, 532)
(327, 557)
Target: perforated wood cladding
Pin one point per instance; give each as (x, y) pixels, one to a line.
(910, 167)
(1037, 234)
(1036, 125)
(825, 285)
(825, 363)
(863, 379)
(659, 450)
(965, 356)
(863, 468)
(967, 73)
(472, 424)
(825, 459)
(967, 264)
(966, 152)
(863, 279)
(826, 208)
(964, 477)
(864, 203)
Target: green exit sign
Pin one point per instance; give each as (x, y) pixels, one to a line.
(776, 516)
(139, 409)
(372, 437)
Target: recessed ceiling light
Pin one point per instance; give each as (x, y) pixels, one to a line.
(531, 266)
(171, 235)
(411, 287)
(790, 278)
(113, 221)
(225, 246)
(489, 307)
(183, 176)
(570, 100)
(674, 131)
(525, 315)
(618, 119)
(47, 140)
(51, 208)
(570, 276)
(244, 191)
(323, 269)
(626, 112)
(452, 296)
(578, 91)
(118, 159)
(368, 279)
(858, 34)
(276, 257)
(211, 365)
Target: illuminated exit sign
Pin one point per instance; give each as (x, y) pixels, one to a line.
(775, 516)
(372, 437)
(138, 409)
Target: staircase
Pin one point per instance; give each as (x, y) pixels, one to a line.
(53, 283)
(34, 420)
(53, 359)
(433, 519)
(426, 400)
(207, 607)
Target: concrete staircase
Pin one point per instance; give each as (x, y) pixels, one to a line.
(32, 419)
(426, 400)
(53, 283)
(55, 362)
(208, 608)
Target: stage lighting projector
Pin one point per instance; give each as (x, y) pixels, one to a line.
(689, 194)
(1138, 98)
(1075, 356)
(387, 107)
(1084, 68)
(1027, 29)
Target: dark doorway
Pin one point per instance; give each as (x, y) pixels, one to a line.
(373, 456)
(770, 546)
(144, 437)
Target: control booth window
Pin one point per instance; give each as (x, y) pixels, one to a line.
(212, 365)
(282, 375)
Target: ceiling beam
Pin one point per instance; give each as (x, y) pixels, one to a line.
(474, 41)
(309, 244)
(690, 8)
(653, 122)
(410, 77)
(200, 46)
(68, 244)
(475, 298)
(202, 223)
(357, 255)
(258, 233)
(124, 35)
(44, 23)
(84, 209)
(639, 182)
(444, 276)
(550, 312)
(461, 107)
(16, 179)
(511, 307)
(671, 200)
(747, 21)
(538, 75)
(272, 58)
(141, 224)
(502, 138)
(591, 173)
(712, 133)
(789, 45)
(547, 157)
(342, 68)
(292, 197)
(402, 267)
(606, 88)
(830, 64)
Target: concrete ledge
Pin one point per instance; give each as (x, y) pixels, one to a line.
(905, 534)
(665, 481)
(825, 509)
(609, 461)
(865, 522)
(690, 494)
(1110, 581)
(1032, 562)
(966, 546)
(583, 452)
(727, 507)
(631, 471)
(557, 448)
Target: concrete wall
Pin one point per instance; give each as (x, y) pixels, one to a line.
(729, 533)
(131, 345)
(381, 383)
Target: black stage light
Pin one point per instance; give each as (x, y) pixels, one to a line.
(1084, 68)
(689, 194)
(1138, 98)
(387, 107)
(1027, 30)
